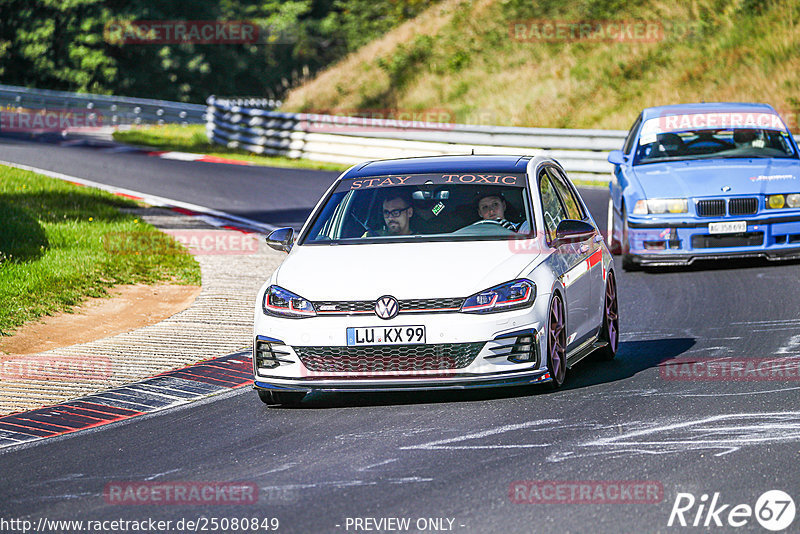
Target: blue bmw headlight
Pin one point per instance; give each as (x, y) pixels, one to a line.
(281, 303)
(513, 295)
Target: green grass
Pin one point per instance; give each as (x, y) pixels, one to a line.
(59, 245)
(193, 139)
(474, 65)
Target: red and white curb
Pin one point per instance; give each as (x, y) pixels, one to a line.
(189, 156)
(167, 390)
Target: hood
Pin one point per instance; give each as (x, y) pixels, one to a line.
(403, 270)
(706, 178)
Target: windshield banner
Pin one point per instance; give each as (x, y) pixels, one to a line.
(713, 121)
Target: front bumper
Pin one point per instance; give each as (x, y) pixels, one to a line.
(670, 241)
(313, 354)
(455, 382)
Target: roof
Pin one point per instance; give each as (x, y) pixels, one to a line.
(706, 107)
(437, 164)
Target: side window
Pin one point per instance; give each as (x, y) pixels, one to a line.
(574, 210)
(552, 210)
(626, 148)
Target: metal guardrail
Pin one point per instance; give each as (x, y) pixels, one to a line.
(342, 139)
(111, 110)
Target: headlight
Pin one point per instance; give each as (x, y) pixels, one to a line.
(791, 200)
(661, 205)
(281, 303)
(513, 295)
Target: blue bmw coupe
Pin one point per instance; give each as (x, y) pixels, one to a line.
(705, 181)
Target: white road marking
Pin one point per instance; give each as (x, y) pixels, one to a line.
(366, 467)
(443, 444)
(152, 477)
(792, 347)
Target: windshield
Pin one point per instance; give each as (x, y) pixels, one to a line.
(424, 207)
(719, 135)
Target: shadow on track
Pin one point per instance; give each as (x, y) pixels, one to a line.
(632, 358)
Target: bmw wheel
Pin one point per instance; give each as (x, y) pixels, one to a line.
(627, 260)
(610, 330)
(556, 343)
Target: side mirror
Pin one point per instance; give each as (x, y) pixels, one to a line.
(281, 239)
(572, 231)
(616, 157)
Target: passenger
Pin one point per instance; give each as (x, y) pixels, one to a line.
(397, 213)
(492, 207)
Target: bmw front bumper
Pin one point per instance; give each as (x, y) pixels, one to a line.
(668, 241)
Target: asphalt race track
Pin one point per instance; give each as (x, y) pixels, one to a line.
(280, 197)
(451, 456)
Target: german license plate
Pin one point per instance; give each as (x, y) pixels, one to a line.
(386, 335)
(733, 227)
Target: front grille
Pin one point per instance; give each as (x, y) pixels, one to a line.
(711, 208)
(749, 239)
(397, 358)
(350, 307)
(430, 304)
(743, 206)
(345, 307)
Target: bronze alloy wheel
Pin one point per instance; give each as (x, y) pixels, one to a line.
(610, 331)
(556, 343)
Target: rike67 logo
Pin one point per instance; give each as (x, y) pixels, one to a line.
(774, 510)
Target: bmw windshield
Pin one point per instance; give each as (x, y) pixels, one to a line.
(713, 135)
(423, 207)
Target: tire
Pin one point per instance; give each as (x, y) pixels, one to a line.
(610, 329)
(556, 343)
(278, 398)
(614, 246)
(627, 260)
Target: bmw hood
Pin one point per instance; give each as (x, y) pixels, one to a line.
(714, 177)
(403, 270)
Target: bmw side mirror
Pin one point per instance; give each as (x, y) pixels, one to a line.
(281, 239)
(616, 157)
(572, 231)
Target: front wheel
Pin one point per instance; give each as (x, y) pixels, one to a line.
(278, 398)
(610, 330)
(627, 260)
(556, 343)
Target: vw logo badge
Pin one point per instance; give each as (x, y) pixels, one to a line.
(726, 188)
(386, 307)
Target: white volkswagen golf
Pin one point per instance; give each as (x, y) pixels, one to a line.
(436, 272)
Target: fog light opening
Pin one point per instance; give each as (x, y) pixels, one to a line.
(269, 355)
(655, 245)
(524, 350)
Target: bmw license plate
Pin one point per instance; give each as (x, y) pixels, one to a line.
(386, 335)
(733, 227)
